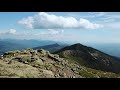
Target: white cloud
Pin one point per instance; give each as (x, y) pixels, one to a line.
(50, 32)
(88, 25)
(12, 31)
(49, 21)
(9, 32)
(27, 22)
(55, 32)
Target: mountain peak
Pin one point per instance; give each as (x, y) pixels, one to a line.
(76, 46)
(56, 44)
(90, 57)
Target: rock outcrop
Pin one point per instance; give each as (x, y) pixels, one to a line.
(42, 64)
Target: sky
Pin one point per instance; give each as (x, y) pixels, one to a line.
(95, 27)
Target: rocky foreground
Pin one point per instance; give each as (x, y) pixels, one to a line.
(42, 64)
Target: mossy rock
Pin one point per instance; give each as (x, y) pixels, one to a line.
(48, 73)
(37, 62)
(33, 52)
(48, 66)
(17, 51)
(51, 56)
(24, 59)
(29, 49)
(34, 58)
(56, 56)
(18, 59)
(42, 51)
(9, 54)
(24, 52)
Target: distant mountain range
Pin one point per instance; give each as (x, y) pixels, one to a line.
(90, 57)
(14, 44)
(52, 48)
(109, 48)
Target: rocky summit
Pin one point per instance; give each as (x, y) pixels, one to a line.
(40, 63)
(90, 57)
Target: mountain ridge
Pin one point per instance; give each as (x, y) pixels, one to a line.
(14, 44)
(52, 47)
(90, 57)
(40, 63)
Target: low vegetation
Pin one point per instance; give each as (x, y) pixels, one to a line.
(30, 63)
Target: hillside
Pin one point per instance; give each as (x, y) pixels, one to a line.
(42, 64)
(90, 57)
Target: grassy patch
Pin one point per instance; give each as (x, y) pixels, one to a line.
(86, 74)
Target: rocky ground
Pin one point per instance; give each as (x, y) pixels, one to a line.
(42, 64)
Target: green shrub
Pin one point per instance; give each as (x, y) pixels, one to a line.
(86, 74)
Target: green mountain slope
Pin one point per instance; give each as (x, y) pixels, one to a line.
(90, 57)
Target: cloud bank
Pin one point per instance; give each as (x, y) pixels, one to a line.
(49, 21)
(9, 32)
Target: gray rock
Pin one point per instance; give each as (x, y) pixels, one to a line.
(37, 62)
(48, 73)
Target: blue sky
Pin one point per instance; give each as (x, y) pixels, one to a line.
(99, 27)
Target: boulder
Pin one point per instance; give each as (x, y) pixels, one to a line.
(51, 56)
(9, 54)
(33, 52)
(34, 58)
(1, 57)
(42, 51)
(48, 72)
(18, 58)
(56, 56)
(37, 62)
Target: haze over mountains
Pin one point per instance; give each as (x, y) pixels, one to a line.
(109, 48)
(51, 48)
(16, 44)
